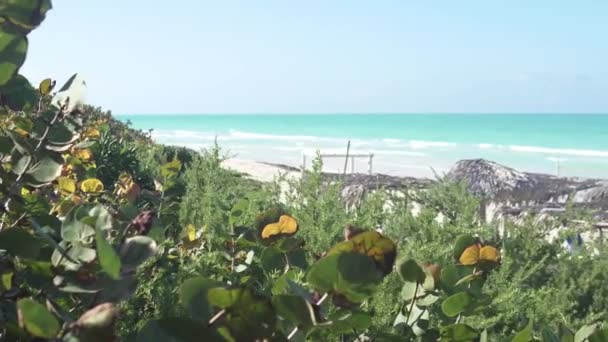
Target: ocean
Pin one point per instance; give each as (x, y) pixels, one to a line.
(574, 145)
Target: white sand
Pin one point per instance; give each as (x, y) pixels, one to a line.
(256, 170)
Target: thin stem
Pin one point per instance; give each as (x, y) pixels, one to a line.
(319, 302)
(409, 312)
(217, 316)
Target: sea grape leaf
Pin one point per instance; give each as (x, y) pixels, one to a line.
(47, 169)
(241, 305)
(13, 48)
(371, 243)
(26, 13)
(410, 271)
(295, 309)
(272, 259)
(109, 260)
(193, 296)
(524, 335)
(135, 251)
(458, 333)
(177, 330)
(37, 319)
(18, 94)
(19, 242)
(456, 304)
(352, 275)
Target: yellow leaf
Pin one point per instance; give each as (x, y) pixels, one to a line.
(489, 253)
(24, 191)
(22, 132)
(470, 255)
(287, 225)
(46, 86)
(92, 133)
(83, 154)
(91, 185)
(191, 232)
(66, 185)
(372, 244)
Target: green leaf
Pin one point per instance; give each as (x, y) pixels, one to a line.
(37, 319)
(193, 296)
(241, 305)
(47, 169)
(171, 168)
(238, 210)
(349, 321)
(548, 335)
(458, 333)
(13, 48)
(25, 13)
(20, 164)
(6, 144)
(22, 144)
(18, 94)
(456, 304)
(566, 335)
(19, 242)
(177, 330)
(452, 274)
(295, 310)
(427, 300)
(60, 134)
(109, 260)
(281, 285)
(409, 290)
(7, 280)
(46, 86)
(525, 335)
(584, 332)
(599, 336)
(484, 336)
(135, 251)
(353, 275)
(272, 260)
(222, 297)
(76, 231)
(410, 270)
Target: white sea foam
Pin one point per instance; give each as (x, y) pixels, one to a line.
(392, 141)
(486, 146)
(427, 144)
(261, 136)
(399, 153)
(563, 151)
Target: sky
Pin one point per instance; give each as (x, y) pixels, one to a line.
(329, 56)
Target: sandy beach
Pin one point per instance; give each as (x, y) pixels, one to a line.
(258, 171)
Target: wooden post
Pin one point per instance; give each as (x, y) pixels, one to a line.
(303, 161)
(352, 164)
(369, 163)
(346, 159)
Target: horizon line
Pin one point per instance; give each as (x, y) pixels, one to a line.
(366, 113)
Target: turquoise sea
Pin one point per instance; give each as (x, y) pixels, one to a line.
(402, 144)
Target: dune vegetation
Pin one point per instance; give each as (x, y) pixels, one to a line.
(105, 235)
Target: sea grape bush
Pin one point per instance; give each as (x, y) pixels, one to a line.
(99, 228)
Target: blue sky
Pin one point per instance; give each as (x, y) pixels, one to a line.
(287, 56)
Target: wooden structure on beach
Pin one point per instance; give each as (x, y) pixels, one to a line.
(346, 157)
